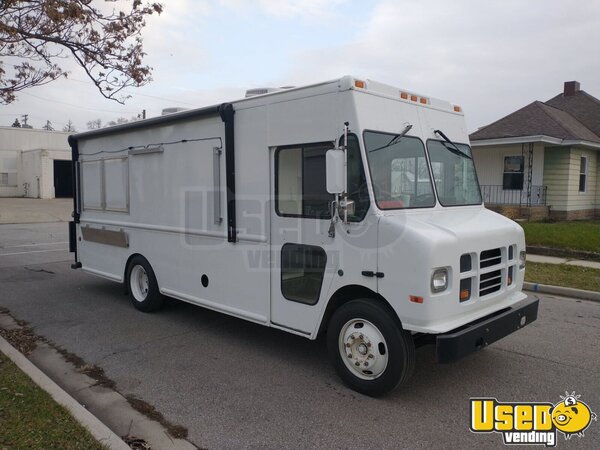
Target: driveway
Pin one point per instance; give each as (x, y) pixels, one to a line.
(32, 210)
(236, 384)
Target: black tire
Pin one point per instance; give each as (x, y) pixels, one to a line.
(398, 345)
(146, 298)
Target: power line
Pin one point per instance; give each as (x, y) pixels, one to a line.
(142, 95)
(79, 107)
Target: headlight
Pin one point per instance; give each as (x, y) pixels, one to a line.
(439, 280)
(522, 258)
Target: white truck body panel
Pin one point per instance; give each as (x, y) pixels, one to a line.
(162, 202)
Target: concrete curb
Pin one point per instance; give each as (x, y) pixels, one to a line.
(97, 429)
(563, 291)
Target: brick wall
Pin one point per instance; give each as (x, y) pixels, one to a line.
(579, 214)
(521, 212)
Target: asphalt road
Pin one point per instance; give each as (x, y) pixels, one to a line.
(235, 384)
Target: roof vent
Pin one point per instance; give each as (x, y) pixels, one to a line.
(260, 91)
(571, 88)
(167, 111)
(265, 90)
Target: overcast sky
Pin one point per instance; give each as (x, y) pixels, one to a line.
(491, 57)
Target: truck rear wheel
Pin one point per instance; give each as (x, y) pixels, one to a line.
(371, 353)
(142, 285)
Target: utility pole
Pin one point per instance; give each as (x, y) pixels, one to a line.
(25, 124)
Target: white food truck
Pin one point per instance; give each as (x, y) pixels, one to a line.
(348, 208)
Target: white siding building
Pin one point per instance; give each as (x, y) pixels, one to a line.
(34, 163)
(543, 155)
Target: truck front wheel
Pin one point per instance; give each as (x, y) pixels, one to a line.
(142, 285)
(370, 351)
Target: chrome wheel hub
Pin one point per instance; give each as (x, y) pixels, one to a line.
(363, 349)
(138, 283)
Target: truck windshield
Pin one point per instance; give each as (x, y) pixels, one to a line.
(454, 173)
(399, 171)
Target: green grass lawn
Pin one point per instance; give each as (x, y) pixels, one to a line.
(573, 235)
(563, 275)
(29, 418)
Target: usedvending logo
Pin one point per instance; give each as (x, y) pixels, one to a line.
(531, 423)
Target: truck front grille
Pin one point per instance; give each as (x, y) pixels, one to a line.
(489, 272)
(490, 282)
(490, 258)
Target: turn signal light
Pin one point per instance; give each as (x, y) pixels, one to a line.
(359, 84)
(415, 299)
(465, 294)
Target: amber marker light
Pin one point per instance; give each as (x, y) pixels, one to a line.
(404, 95)
(465, 294)
(413, 98)
(457, 108)
(359, 84)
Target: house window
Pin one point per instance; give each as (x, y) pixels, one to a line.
(513, 173)
(583, 169)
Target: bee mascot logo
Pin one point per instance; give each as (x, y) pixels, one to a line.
(531, 422)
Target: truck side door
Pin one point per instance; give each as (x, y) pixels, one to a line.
(306, 262)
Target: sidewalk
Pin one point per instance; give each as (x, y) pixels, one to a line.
(569, 262)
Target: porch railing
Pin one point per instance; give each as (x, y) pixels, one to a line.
(497, 195)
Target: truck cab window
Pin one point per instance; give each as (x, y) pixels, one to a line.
(300, 187)
(357, 182)
(399, 171)
(454, 174)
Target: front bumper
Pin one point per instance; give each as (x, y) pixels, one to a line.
(481, 333)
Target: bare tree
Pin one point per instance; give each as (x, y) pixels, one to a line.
(36, 36)
(48, 126)
(119, 121)
(94, 124)
(69, 127)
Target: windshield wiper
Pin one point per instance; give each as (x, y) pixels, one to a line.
(394, 140)
(454, 150)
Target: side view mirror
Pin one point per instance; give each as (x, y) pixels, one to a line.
(336, 180)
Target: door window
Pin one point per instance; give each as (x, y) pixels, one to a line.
(357, 182)
(300, 183)
(302, 270)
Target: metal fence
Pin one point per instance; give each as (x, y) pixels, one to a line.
(499, 196)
